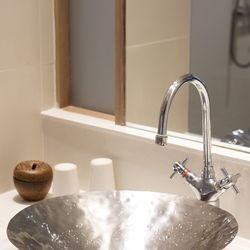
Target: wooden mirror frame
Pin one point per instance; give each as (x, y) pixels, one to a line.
(62, 68)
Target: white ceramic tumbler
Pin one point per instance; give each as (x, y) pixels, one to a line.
(65, 179)
(101, 175)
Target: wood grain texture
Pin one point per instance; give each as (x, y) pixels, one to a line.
(89, 112)
(62, 51)
(120, 62)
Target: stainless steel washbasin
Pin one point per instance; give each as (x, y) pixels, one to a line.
(122, 220)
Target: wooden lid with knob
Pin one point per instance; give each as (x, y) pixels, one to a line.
(33, 171)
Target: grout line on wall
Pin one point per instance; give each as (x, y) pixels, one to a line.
(156, 42)
(21, 67)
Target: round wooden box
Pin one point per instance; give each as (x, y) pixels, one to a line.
(32, 179)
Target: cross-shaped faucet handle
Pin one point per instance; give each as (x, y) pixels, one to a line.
(232, 178)
(178, 167)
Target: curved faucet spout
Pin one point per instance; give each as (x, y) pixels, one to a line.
(161, 137)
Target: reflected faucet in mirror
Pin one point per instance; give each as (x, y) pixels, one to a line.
(206, 187)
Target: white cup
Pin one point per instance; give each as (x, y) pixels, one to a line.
(65, 179)
(101, 175)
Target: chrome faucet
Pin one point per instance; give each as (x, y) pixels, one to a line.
(206, 187)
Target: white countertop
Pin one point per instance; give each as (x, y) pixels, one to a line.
(11, 204)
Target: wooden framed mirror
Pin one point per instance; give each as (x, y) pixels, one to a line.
(62, 50)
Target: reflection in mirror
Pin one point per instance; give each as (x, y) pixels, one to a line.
(157, 52)
(166, 39)
(220, 56)
(92, 50)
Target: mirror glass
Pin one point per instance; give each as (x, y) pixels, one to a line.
(211, 39)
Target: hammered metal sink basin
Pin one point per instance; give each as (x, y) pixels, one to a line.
(122, 220)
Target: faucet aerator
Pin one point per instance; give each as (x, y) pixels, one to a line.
(161, 140)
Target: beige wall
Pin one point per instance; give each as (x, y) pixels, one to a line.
(157, 52)
(26, 80)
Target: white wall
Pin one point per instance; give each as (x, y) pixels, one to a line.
(26, 80)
